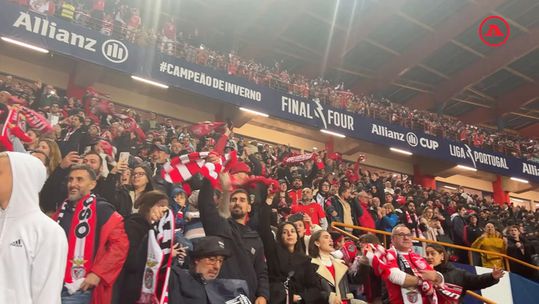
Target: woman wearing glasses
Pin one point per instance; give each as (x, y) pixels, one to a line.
(126, 195)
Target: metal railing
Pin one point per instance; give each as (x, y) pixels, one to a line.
(335, 226)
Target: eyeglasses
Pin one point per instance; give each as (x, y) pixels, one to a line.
(215, 260)
(138, 174)
(402, 235)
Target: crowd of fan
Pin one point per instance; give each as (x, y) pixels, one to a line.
(309, 191)
(118, 19)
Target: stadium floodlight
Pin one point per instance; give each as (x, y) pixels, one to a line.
(151, 82)
(332, 133)
(400, 151)
(516, 179)
(254, 112)
(26, 45)
(466, 168)
(450, 187)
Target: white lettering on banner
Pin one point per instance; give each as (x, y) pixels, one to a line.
(330, 117)
(530, 169)
(385, 132)
(209, 81)
(478, 157)
(43, 27)
(410, 138)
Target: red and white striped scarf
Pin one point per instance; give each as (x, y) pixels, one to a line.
(183, 167)
(382, 261)
(36, 120)
(158, 261)
(81, 240)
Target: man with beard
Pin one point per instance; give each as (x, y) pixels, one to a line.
(311, 208)
(247, 260)
(295, 192)
(97, 242)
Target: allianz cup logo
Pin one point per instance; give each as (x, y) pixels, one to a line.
(115, 51)
(411, 139)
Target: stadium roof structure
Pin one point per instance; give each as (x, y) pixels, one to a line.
(425, 54)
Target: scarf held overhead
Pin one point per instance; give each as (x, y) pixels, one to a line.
(183, 167)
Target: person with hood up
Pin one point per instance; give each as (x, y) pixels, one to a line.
(33, 249)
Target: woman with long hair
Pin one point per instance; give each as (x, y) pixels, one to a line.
(332, 274)
(127, 195)
(52, 151)
(153, 216)
(289, 273)
(491, 240)
(437, 257)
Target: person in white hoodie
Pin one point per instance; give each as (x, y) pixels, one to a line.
(33, 248)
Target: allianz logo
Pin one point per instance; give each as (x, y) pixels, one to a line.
(113, 50)
(410, 138)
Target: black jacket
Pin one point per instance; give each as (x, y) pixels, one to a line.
(515, 252)
(129, 283)
(283, 265)
(54, 191)
(187, 287)
(337, 206)
(465, 279)
(247, 260)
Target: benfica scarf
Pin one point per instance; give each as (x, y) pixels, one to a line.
(183, 167)
(81, 240)
(36, 120)
(11, 127)
(158, 261)
(304, 157)
(382, 260)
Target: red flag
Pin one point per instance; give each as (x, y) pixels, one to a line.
(335, 156)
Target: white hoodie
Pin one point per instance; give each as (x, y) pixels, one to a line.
(33, 248)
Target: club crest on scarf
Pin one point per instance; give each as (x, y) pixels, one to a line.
(81, 239)
(158, 261)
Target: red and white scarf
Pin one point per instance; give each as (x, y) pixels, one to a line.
(158, 261)
(183, 167)
(81, 240)
(383, 260)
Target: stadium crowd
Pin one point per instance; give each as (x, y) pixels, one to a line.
(149, 208)
(122, 20)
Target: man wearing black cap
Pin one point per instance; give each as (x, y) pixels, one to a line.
(199, 284)
(159, 155)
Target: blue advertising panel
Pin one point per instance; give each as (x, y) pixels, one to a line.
(64, 37)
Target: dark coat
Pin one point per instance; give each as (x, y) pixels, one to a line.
(187, 287)
(247, 260)
(515, 252)
(283, 265)
(130, 281)
(465, 279)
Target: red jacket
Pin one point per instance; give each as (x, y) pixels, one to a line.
(295, 195)
(110, 257)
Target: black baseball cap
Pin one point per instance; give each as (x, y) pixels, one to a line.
(160, 147)
(210, 246)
